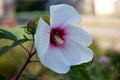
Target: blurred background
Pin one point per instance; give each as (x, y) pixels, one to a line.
(101, 18)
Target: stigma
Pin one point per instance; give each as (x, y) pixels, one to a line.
(58, 40)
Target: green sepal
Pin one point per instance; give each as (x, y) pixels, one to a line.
(31, 26)
(46, 19)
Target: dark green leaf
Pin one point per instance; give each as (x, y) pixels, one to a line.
(7, 35)
(15, 43)
(79, 73)
(30, 76)
(2, 77)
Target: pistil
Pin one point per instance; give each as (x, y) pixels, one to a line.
(58, 40)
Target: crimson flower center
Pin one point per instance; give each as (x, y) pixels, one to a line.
(57, 36)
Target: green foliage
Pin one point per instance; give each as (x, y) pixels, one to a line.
(7, 35)
(99, 71)
(30, 5)
(15, 43)
(79, 72)
(30, 76)
(2, 77)
(115, 58)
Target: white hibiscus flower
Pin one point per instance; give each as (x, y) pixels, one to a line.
(62, 44)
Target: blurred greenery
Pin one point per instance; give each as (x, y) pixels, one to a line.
(34, 14)
(98, 69)
(29, 5)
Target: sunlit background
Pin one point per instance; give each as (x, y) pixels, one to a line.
(101, 18)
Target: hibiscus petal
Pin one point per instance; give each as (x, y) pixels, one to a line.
(63, 14)
(76, 53)
(42, 37)
(55, 61)
(78, 35)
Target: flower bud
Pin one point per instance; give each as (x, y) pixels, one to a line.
(31, 26)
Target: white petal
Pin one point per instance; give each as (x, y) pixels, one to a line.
(42, 37)
(76, 53)
(63, 14)
(55, 61)
(78, 35)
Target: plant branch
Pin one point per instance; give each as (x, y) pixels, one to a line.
(24, 66)
(25, 49)
(31, 54)
(32, 44)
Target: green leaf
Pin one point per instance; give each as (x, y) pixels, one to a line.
(2, 77)
(15, 43)
(7, 35)
(30, 76)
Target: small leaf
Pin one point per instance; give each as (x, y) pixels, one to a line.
(15, 43)
(7, 35)
(25, 37)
